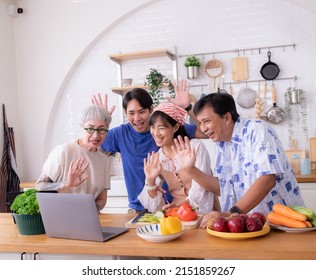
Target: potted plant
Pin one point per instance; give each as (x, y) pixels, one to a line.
(192, 63)
(26, 213)
(156, 81)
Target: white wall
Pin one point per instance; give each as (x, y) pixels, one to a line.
(54, 38)
(8, 81)
(51, 37)
(241, 24)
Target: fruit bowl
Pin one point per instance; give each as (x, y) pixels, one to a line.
(243, 235)
(152, 233)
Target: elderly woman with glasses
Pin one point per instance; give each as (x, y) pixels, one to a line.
(80, 166)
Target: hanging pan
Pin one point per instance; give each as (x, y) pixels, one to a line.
(269, 70)
(275, 114)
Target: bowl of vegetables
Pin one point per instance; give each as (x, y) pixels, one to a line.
(169, 228)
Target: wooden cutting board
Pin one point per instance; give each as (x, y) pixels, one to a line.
(187, 225)
(312, 151)
(300, 153)
(239, 68)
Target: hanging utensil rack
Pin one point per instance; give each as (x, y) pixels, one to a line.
(244, 50)
(247, 81)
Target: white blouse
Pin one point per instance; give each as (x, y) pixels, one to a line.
(196, 195)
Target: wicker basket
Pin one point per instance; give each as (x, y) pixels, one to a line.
(214, 68)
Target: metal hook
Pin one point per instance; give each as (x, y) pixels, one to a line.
(259, 53)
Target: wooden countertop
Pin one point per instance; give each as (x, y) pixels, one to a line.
(192, 244)
(300, 179)
(307, 179)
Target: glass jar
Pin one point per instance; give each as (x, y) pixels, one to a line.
(296, 164)
(306, 166)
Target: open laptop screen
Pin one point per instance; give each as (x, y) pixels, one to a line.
(73, 216)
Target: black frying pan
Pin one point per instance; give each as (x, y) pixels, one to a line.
(269, 70)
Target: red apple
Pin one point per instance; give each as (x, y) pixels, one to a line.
(244, 217)
(236, 224)
(253, 224)
(259, 216)
(220, 224)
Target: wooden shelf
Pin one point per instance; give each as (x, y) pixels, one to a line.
(120, 90)
(144, 54)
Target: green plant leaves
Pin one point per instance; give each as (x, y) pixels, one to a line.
(26, 203)
(156, 81)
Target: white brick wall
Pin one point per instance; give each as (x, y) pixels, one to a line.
(195, 27)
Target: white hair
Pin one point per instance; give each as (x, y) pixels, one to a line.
(96, 113)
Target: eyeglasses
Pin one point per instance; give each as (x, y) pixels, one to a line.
(100, 131)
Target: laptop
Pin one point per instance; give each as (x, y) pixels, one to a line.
(73, 216)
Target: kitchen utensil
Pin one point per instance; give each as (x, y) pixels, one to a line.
(140, 214)
(275, 114)
(312, 152)
(265, 90)
(246, 98)
(296, 96)
(294, 151)
(239, 68)
(262, 115)
(269, 70)
(230, 90)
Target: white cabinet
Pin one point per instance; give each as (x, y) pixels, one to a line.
(117, 201)
(309, 194)
(14, 256)
(46, 256)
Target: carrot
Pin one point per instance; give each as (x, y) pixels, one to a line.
(288, 212)
(172, 212)
(278, 219)
(308, 223)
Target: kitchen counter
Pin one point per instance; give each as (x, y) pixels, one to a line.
(306, 179)
(300, 179)
(192, 244)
